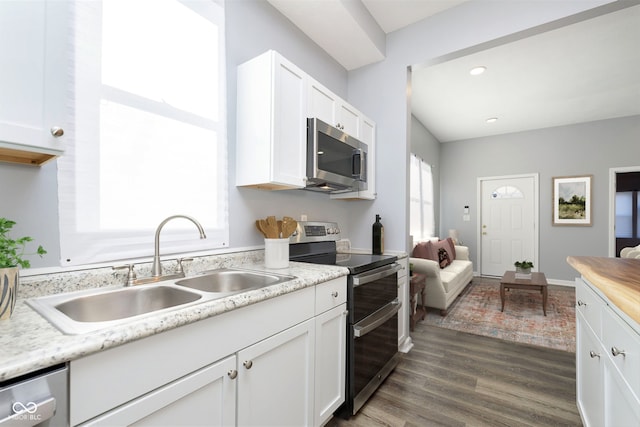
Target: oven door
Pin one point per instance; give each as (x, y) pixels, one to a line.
(373, 332)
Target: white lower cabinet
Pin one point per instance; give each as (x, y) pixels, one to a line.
(277, 362)
(589, 374)
(275, 379)
(607, 362)
(330, 363)
(205, 397)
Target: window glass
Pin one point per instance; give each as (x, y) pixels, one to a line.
(149, 137)
(624, 214)
(421, 203)
(507, 192)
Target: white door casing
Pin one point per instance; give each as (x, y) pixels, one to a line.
(508, 222)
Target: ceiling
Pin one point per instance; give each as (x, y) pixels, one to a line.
(582, 72)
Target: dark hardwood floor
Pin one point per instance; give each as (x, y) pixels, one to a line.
(456, 379)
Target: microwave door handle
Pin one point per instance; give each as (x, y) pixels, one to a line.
(357, 161)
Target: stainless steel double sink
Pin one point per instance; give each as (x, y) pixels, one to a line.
(91, 310)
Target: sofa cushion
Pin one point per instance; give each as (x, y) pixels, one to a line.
(421, 250)
(446, 244)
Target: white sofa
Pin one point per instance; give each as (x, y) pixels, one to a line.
(443, 285)
(630, 252)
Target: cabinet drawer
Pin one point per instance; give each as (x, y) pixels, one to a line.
(618, 335)
(590, 305)
(331, 294)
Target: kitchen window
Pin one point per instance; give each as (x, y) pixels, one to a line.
(421, 205)
(148, 130)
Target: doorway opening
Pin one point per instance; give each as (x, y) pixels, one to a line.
(624, 208)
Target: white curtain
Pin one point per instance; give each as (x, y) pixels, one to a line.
(421, 203)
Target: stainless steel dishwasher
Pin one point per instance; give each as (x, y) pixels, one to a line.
(36, 399)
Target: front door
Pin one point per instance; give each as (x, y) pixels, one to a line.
(508, 223)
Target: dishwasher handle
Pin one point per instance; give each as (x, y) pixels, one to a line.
(378, 318)
(30, 414)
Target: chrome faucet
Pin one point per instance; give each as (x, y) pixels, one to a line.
(156, 268)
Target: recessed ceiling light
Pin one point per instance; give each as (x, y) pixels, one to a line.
(492, 119)
(476, 71)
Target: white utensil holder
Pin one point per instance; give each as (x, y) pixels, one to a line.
(276, 253)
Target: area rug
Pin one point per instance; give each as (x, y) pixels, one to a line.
(477, 311)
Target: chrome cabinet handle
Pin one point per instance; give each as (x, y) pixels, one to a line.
(616, 351)
(247, 364)
(232, 374)
(57, 131)
(581, 303)
(593, 354)
(334, 294)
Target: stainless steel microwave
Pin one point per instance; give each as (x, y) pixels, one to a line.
(336, 161)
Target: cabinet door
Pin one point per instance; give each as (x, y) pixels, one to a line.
(32, 76)
(323, 104)
(206, 397)
(348, 120)
(590, 359)
(331, 342)
(404, 339)
(622, 407)
(275, 379)
(289, 148)
(271, 124)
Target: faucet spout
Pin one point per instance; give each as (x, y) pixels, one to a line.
(156, 268)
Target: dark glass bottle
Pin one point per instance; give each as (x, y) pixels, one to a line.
(378, 237)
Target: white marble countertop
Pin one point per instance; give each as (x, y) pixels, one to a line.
(28, 342)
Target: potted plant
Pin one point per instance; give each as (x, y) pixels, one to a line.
(523, 267)
(11, 259)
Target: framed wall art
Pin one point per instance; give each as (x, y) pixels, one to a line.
(572, 200)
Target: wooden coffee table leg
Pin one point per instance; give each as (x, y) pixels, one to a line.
(544, 300)
(502, 296)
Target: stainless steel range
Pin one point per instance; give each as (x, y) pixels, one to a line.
(373, 305)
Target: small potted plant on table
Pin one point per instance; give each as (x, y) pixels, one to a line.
(523, 268)
(11, 258)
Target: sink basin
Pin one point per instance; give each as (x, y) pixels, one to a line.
(124, 303)
(85, 311)
(95, 309)
(227, 280)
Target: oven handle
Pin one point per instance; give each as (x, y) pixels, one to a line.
(371, 322)
(378, 273)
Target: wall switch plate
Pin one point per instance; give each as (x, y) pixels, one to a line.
(466, 217)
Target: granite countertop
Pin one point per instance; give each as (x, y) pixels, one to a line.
(617, 278)
(28, 342)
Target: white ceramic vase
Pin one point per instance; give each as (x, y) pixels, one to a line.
(8, 291)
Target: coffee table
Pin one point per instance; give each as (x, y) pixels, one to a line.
(537, 282)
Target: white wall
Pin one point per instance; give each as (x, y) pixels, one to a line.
(584, 149)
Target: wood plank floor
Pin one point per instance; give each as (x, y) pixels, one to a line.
(456, 379)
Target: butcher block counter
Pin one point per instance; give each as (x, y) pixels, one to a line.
(617, 278)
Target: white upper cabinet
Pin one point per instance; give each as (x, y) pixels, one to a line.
(271, 124)
(274, 100)
(32, 80)
(328, 107)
